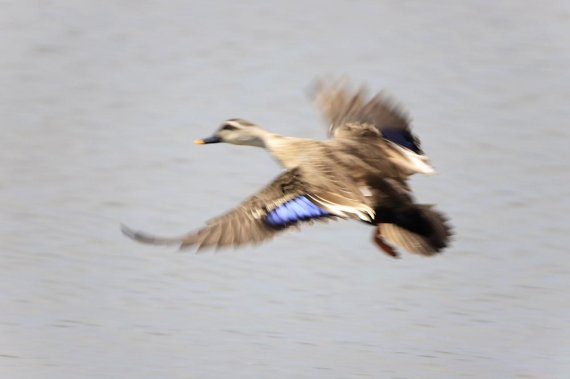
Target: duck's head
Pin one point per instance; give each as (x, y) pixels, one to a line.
(238, 132)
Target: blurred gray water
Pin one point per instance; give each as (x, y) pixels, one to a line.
(100, 102)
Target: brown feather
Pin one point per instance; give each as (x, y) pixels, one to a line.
(339, 105)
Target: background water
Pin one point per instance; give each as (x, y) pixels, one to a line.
(100, 102)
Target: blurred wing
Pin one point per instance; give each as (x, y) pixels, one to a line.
(280, 205)
(341, 105)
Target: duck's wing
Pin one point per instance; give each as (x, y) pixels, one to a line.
(340, 105)
(288, 200)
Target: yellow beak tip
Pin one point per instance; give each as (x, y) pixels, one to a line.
(199, 142)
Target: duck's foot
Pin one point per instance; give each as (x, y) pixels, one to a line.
(379, 241)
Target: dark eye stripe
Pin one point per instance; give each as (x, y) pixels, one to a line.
(228, 127)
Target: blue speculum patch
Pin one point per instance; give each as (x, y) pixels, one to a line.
(297, 209)
(401, 137)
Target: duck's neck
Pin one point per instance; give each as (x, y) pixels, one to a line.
(285, 150)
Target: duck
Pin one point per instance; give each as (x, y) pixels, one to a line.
(359, 173)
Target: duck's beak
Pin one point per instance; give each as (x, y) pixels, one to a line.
(213, 139)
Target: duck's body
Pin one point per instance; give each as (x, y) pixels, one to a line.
(358, 174)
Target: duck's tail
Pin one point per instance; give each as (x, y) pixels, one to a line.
(417, 228)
